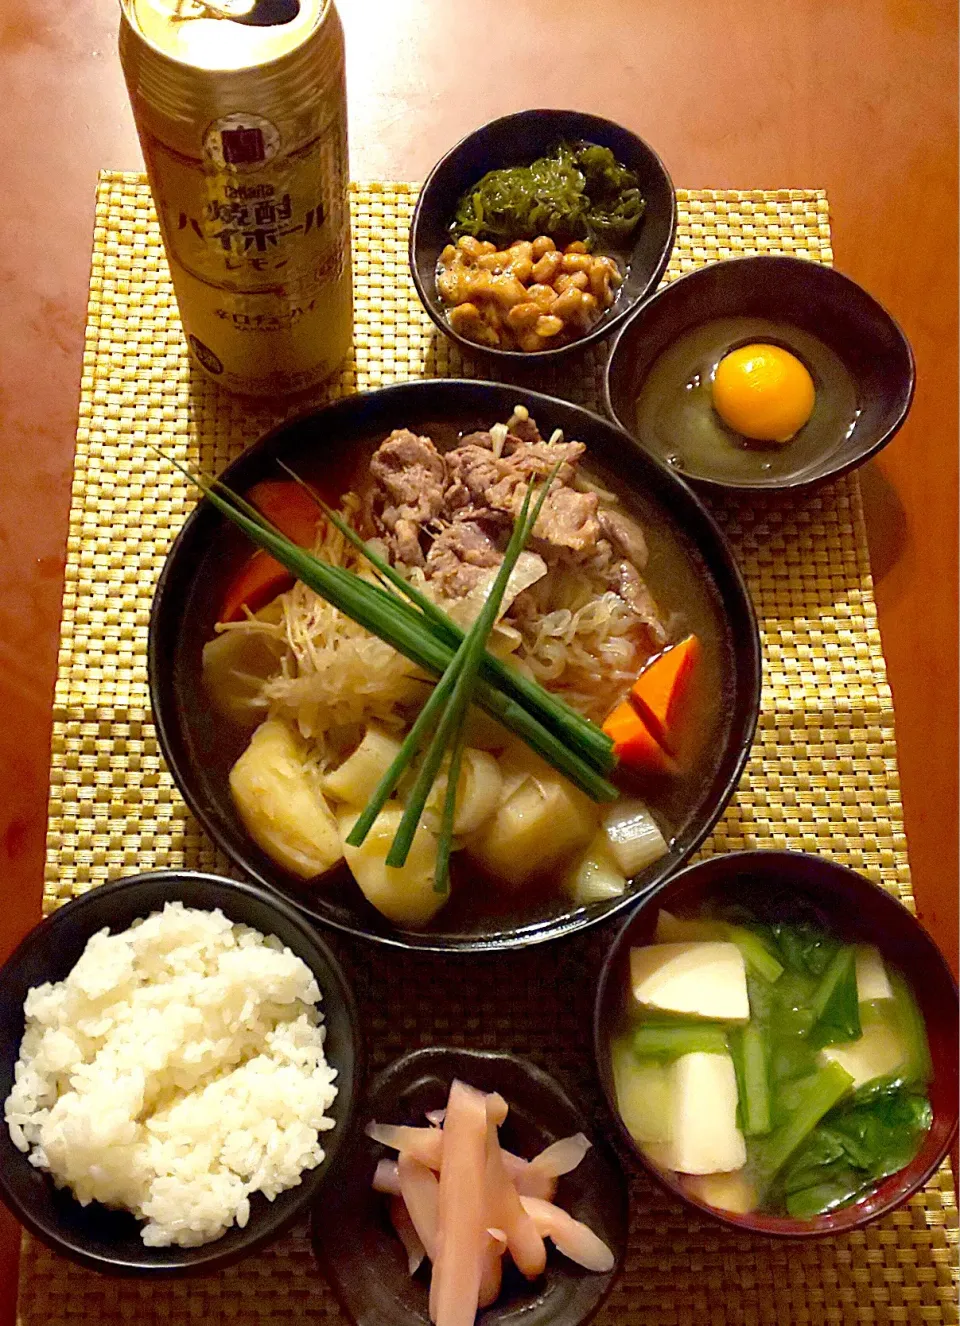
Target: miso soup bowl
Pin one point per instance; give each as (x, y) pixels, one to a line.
(851, 907)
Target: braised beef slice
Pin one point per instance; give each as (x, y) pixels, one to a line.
(484, 485)
(634, 592)
(410, 477)
(625, 536)
(460, 557)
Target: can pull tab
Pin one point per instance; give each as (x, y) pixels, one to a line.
(253, 13)
(270, 13)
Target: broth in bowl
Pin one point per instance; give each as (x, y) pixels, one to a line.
(689, 574)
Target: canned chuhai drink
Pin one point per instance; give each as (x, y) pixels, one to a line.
(241, 110)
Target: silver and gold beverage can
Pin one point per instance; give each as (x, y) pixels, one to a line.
(241, 110)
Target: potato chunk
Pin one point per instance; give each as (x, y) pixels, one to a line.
(281, 807)
(356, 779)
(541, 821)
(404, 894)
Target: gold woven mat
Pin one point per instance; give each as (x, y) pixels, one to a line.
(822, 777)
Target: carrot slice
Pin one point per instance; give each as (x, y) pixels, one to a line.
(289, 507)
(262, 577)
(457, 1269)
(634, 743)
(659, 691)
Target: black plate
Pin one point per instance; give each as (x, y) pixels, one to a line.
(110, 1240)
(199, 747)
(516, 140)
(362, 1257)
(818, 300)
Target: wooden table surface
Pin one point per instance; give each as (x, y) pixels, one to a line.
(859, 98)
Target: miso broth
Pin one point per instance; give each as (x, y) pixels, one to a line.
(769, 1063)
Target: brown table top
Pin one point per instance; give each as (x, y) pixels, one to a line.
(858, 98)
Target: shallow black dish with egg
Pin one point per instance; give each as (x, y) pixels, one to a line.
(360, 1252)
(518, 140)
(814, 329)
(858, 1088)
(687, 563)
(110, 1240)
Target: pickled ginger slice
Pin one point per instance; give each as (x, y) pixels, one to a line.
(407, 1234)
(457, 1268)
(425, 1144)
(561, 1156)
(571, 1237)
(420, 1193)
(495, 1245)
(502, 1204)
(386, 1178)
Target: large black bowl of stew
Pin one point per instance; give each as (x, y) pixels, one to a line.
(628, 546)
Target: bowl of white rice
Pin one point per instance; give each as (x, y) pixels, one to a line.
(179, 1063)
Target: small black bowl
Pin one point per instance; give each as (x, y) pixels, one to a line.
(845, 904)
(200, 747)
(816, 299)
(362, 1257)
(109, 1240)
(516, 140)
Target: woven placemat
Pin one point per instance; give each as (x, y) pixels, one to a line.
(822, 777)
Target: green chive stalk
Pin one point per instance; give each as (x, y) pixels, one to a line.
(495, 670)
(381, 613)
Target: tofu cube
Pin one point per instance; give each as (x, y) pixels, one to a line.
(706, 1139)
(879, 1052)
(872, 980)
(705, 979)
(727, 1192)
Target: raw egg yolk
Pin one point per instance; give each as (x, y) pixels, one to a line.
(763, 392)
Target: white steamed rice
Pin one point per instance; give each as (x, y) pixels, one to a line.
(178, 1069)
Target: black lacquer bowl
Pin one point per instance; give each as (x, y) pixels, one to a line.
(844, 903)
(516, 140)
(200, 747)
(815, 300)
(362, 1256)
(108, 1240)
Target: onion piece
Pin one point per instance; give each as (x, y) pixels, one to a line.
(634, 839)
(407, 1234)
(562, 1156)
(386, 1178)
(464, 611)
(594, 875)
(574, 1239)
(478, 791)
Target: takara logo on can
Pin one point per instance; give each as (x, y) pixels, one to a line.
(243, 130)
